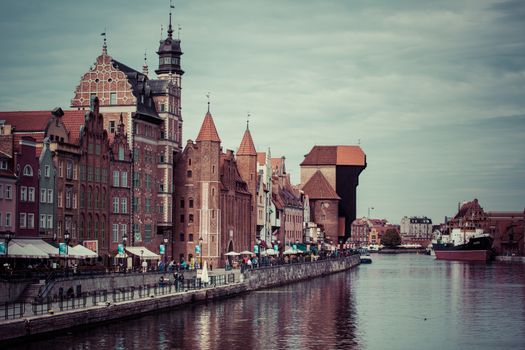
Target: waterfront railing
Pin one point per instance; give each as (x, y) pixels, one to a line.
(50, 305)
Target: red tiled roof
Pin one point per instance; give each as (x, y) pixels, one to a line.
(261, 158)
(247, 148)
(319, 188)
(208, 130)
(335, 155)
(73, 120)
(27, 120)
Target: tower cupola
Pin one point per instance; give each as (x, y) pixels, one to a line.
(169, 53)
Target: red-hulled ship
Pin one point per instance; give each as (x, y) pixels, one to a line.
(466, 244)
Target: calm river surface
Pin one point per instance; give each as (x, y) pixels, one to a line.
(398, 302)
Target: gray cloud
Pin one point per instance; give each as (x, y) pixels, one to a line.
(422, 83)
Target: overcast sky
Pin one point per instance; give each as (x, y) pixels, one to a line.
(434, 91)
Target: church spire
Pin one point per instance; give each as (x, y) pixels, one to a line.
(247, 148)
(170, 28)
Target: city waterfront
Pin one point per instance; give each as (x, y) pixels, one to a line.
(397, 302)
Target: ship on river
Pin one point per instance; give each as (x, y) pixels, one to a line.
(466, 244)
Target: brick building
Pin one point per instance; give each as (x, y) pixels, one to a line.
(214, 204)
(150, 110)
(341, 167)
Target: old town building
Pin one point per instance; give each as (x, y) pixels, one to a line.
(151, 114)
(340, 166)
(214, 205)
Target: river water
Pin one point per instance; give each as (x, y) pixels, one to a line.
(397, 302)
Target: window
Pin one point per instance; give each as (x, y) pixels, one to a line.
(104, 176)
(8, 219)
(181, 237)
(23, 222)
(136, 154)
(3, 164)
(97, 174)
(190, 203)
(190, 218)
(136, 232)
(147, 207)
(113, 98)
(49, 221)
(68, 198)
(124, 179)
(61, 169)
(103, 229)
(135, 204)
(112, 126)
(1, 192)
(30, 220)
(28, 171)
(50, 195)
(121, 153)
(162, 107)
(182, 203)
(123, 230)
(136, 179)
(124, 205)
(90, 173)
(69, 170)
(147, 233)
(148, 181)
(115, 205)
(83, 172)
(47, 171)
(116, 178)
(42, 220)
(190, 237)
(182, 218)
(43, 195)
(31, 194)
(75, 202)
(75, 172)
(23, 194)
(189, 173)
(60, 199)
(114, 232)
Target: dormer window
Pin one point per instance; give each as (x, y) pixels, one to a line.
(113, 98)
(3, 164)
(28, 171)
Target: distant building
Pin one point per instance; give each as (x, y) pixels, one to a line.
(416, 227)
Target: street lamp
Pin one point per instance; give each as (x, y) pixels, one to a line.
(200, 246)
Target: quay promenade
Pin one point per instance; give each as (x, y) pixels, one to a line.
(47, 316)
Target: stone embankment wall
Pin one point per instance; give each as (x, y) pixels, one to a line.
(251, 280)
(284, 274)
(9, 291)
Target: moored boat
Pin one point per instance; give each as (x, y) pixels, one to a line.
(465, 245)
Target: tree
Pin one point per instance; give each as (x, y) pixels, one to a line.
(391, 238)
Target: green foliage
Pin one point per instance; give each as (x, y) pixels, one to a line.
(391, 238)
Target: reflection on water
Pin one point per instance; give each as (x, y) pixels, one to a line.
(398, 302)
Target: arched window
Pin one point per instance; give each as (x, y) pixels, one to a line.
(28, 171)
